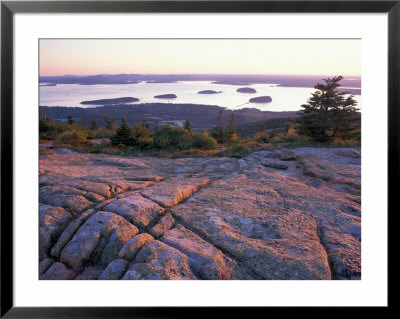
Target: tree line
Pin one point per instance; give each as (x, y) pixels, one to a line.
(330, 116)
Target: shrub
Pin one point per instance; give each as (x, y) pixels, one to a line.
(145, 143)
(261, 137)
(73, 138)
(172, 138)
(204, 142)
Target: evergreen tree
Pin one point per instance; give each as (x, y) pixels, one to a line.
(188, 126)
(43, 126)
(83, 121)
(328, 112)
(220, 127)
(94, 126)
(218, 131)
(123, 134)
(70, 120)
(140, 132)
(108, 123)
(262, 128)
(230, 131)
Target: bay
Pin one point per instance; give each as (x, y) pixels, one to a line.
(283, 98)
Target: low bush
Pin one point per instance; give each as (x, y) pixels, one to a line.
(169, 137)
(203, 141)
(73, 138)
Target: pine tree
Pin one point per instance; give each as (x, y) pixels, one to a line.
(123, 134)
(230, 131)
(94, 126)
(262, 128)
(220, 127)
(108, 123)
(83, 121)
(188, 126)
(70, 120)
(328, 112)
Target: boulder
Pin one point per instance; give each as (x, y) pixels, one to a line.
(275, 164)
(287, 155)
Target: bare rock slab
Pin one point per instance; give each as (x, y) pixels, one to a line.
(88, 186)
(114, 270)
(136, 209)
(158, 261)
(249, 220)
(344, 253)
(52, 222)
(132, 246)
(166, 222)
(90, 273)
(64, 196)
(45, 264)
(69, 232)
(122, 162)
(99, 239)
(171, 192)
(58, 271)
(206, 260)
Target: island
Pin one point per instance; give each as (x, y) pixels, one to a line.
(261, 99)
(246, 90)
(166, 96)
(209, 92)
(119, 100)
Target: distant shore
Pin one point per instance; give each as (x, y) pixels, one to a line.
(353, 82)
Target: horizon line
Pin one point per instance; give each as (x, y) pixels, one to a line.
(240, 74)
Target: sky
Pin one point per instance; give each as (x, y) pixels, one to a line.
(200, 56)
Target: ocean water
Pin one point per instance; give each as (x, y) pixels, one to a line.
(283, 98)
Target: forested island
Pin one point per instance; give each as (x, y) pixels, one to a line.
(246, 90)
(261, 99)
(209, 92)
(165, 96)
(116, 101)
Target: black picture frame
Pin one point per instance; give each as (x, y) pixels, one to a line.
(9, 8)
